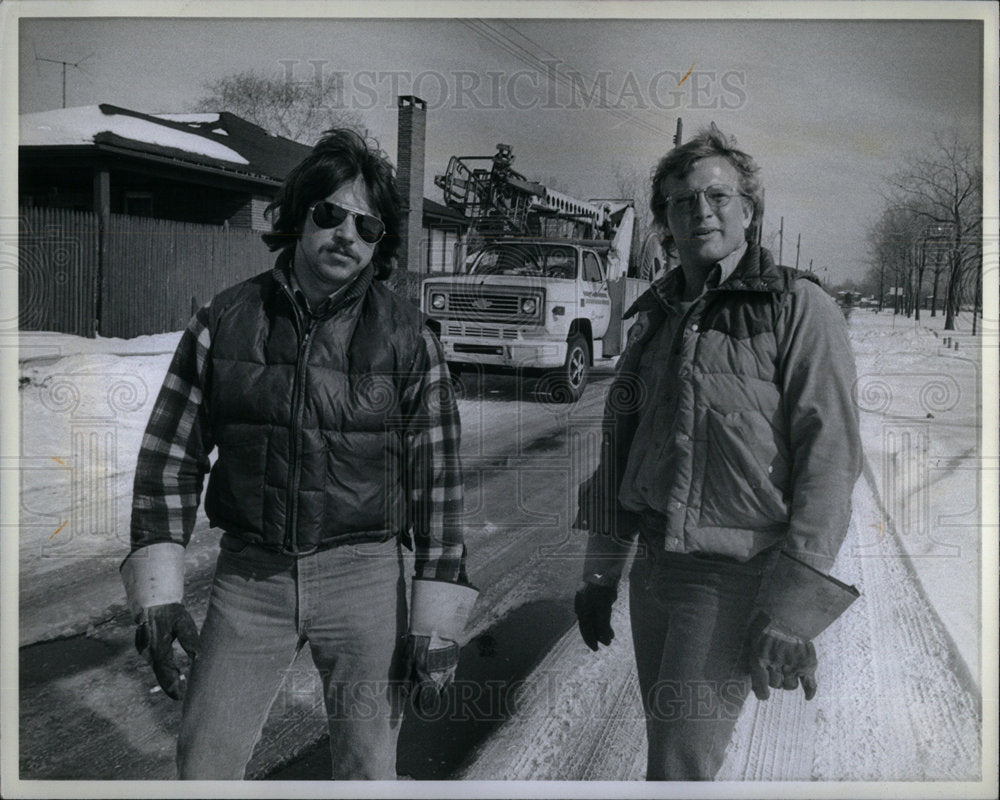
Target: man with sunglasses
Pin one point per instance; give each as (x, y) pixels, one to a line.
(328, 403)
(731, 449)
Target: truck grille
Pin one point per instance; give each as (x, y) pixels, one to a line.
(484, 305)
(480, 331)
(481, 304)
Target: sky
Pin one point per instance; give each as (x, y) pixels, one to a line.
(828, 108)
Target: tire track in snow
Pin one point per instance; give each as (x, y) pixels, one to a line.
(578, 716)
(892, 703)
(930, 705)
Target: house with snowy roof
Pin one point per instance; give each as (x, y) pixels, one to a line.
(211, 168)
(216, 169)
(130, 220)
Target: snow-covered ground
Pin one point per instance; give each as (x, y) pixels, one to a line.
(84, 404)
(900, 674)
(921, 405)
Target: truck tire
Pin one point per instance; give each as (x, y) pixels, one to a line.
(566, 385)
(455, 378)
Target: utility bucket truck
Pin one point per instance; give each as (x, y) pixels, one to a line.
(546, 281)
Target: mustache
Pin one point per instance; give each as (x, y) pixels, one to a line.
(340, 250)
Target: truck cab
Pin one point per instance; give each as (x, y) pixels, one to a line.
(528, 305)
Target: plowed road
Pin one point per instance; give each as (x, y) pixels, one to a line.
(894, 702)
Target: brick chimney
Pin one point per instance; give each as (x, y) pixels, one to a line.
(410, 177)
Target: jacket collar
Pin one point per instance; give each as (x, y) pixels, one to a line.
(756, 272)
(355, 290)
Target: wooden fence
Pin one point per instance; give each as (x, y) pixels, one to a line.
(152, 276)
(57, 275)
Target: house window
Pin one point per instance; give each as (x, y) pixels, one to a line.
(442, 246)
(258, 221)
(139, 204)
(436, 253)
(448, 254)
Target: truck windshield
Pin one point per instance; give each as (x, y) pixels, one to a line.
(542, 260)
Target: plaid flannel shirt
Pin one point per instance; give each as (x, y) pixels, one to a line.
(174, 457)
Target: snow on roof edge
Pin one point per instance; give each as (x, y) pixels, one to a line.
(82, 124)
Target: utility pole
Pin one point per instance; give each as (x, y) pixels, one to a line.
(677, 135)
(798, 246)
(781, 238)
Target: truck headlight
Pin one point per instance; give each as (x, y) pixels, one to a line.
(529, 305)
(438, 301)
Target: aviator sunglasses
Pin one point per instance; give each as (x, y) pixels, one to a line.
(329, 215)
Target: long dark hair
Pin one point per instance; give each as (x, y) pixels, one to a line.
(340, 156)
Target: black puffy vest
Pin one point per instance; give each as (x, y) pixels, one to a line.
(306, 414)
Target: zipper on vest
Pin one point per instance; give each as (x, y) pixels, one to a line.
(294, 462)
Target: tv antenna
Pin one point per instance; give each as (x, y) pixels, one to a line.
(74, 64)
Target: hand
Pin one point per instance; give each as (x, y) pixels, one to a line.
(158, 627)
(593, 614)
(779, 659)
(430, 669)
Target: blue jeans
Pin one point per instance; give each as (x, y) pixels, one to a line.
(349, 604)
(689, 618)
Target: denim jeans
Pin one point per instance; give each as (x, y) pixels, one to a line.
(690, 616)
(349, 604)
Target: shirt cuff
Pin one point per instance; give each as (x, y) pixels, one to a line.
(153, 576)
(605, 559)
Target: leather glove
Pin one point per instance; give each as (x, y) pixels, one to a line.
(430, 670)
(158, 627)
(154, 588)
(593, 613)
(439, 613)
(779, 659)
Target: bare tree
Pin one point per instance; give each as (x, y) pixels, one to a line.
(556, 185)
(936, 246)
(920, 262)
(296, 109)
(891, 240)
(944, 189)
(770, 240)
(633, 185)
(649, 255)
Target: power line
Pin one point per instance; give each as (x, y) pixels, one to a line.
(567, 80)
(617, 112)
(549, 67)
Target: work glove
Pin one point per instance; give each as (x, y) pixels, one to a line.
(158, 627)
(154, 587)
(795, 604)
(779, 659)
(439, 612)
(430, 668)
(593, 613)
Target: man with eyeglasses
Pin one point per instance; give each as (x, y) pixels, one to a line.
(730, 452)
(328, 403)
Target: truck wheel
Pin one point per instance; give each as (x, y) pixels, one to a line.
(455, 376)
(567, 384)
